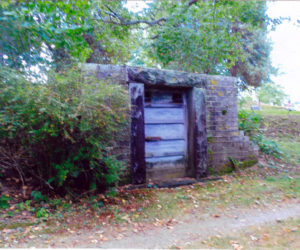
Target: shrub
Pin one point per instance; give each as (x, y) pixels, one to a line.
(4, 202)
(249, 122)
(61, 134)
(267, 146)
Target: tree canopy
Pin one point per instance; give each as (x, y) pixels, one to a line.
(271, 93)
(211, 36)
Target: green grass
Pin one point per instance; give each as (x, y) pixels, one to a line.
(16, 225)
(272, 110)
(283, 235)
(290, 148)
(214, 197)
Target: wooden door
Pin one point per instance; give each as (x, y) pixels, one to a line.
(165, 134)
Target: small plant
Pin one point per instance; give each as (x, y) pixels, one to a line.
(56, 202)
(249, 122)
(42, 213)
(112, 192)
(236, 164)
(4, 199)
(38, 197)
(25, 206)
(267, 146)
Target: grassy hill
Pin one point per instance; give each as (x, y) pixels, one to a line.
(283, 127)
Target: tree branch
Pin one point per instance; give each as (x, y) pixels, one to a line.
(128, 23)
(124, 22)
(192, 2)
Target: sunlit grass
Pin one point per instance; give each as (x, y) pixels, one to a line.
(290, 148)
(271, 110)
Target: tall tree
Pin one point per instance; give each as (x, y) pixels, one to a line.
(207, 36)
(59, 32)
(271, 93)
(215, 37)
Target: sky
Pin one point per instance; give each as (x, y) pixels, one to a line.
(286, 44)
(286, 47)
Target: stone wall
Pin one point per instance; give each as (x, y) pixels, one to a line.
(220, 99)
(225, 141)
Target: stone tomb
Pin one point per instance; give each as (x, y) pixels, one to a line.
(182, 124)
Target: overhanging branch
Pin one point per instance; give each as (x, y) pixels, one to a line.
(115, 18)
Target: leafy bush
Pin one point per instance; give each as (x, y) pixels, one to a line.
(267, 146)
(4, 201)
(38, 197)
(61, 134)
(42, 213)
(249, 122)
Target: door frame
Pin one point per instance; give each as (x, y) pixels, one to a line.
(196, 136)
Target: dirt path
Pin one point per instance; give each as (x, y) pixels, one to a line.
(196, 229)
(191, 228)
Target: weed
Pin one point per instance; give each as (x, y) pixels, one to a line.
(249, 122)
(4, 199)
(38, 197)
(236, 164)
(25, 206)
(267, 146)
(42, 213)
(56, 202)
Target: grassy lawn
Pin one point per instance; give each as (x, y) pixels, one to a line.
(215, 197)
(290, 148)
(271, 110)
(283, 234)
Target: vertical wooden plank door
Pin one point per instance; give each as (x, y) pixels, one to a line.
(165, 134)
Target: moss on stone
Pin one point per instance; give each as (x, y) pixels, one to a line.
(210, 139)
(252, 160)
(228, 167)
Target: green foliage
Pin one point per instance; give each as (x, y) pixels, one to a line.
(38, 197)
(63, 133)
(236, 164)
(42, 213)
(249, 122)
(215, 37)
(56, 202)
(267, 146)
(57, 33)
(25, 206)
(271, 93)
(4, 202)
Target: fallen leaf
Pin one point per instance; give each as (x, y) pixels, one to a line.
(265, 236)
(253, 238)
